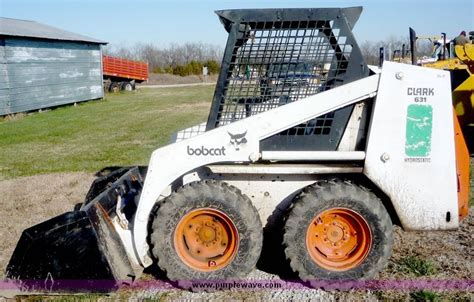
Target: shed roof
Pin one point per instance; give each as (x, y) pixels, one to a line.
(26, 28)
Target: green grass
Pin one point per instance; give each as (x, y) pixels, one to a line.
(122, 129)
(423, 295)
(417, 266)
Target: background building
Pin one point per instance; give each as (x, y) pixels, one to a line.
(42, 66)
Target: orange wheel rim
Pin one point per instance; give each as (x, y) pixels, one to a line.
(338, 239)
(206, 239)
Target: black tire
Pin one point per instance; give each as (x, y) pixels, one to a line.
(127, 86)
(330, 194)
(206, 194)
(114, 87)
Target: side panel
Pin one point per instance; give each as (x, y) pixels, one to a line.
(410, 153)
(44, 74)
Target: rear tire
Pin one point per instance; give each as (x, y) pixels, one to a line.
(235, 233)
(114, 87)
(127, 86)
(337, 231)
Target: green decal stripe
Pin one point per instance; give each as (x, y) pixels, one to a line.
(418, 130)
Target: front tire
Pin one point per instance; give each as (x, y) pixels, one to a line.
(337, 231)
(206, 231)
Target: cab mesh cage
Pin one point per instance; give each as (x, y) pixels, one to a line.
(277, 56)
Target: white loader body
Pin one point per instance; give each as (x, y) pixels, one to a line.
(400, 160)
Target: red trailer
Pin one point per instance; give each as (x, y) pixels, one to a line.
(122, 74)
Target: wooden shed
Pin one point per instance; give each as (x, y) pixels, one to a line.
(42, 66)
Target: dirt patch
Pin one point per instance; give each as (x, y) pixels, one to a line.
(170, 79)
(441, 255)
(27, 201)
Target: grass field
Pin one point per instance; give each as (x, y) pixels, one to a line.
(122, 129)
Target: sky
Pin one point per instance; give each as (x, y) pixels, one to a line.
(126, 22)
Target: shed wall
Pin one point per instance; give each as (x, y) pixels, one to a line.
(4, 97)
(37, 74)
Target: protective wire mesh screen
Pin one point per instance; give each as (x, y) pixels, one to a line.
(275, 63)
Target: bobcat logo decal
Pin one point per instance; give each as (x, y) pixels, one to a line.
(237, 139)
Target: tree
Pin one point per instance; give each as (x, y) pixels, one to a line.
(185, 59)
(392, 46)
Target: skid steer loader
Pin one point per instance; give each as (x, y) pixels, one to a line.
(301, 128)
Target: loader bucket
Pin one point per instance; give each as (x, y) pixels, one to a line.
(78, 250)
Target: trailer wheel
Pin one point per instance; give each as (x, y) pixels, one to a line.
(206, 231)
(337, 231)
(114, 87)
(127, 86)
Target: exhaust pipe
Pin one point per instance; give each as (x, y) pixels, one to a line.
(413, 46)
